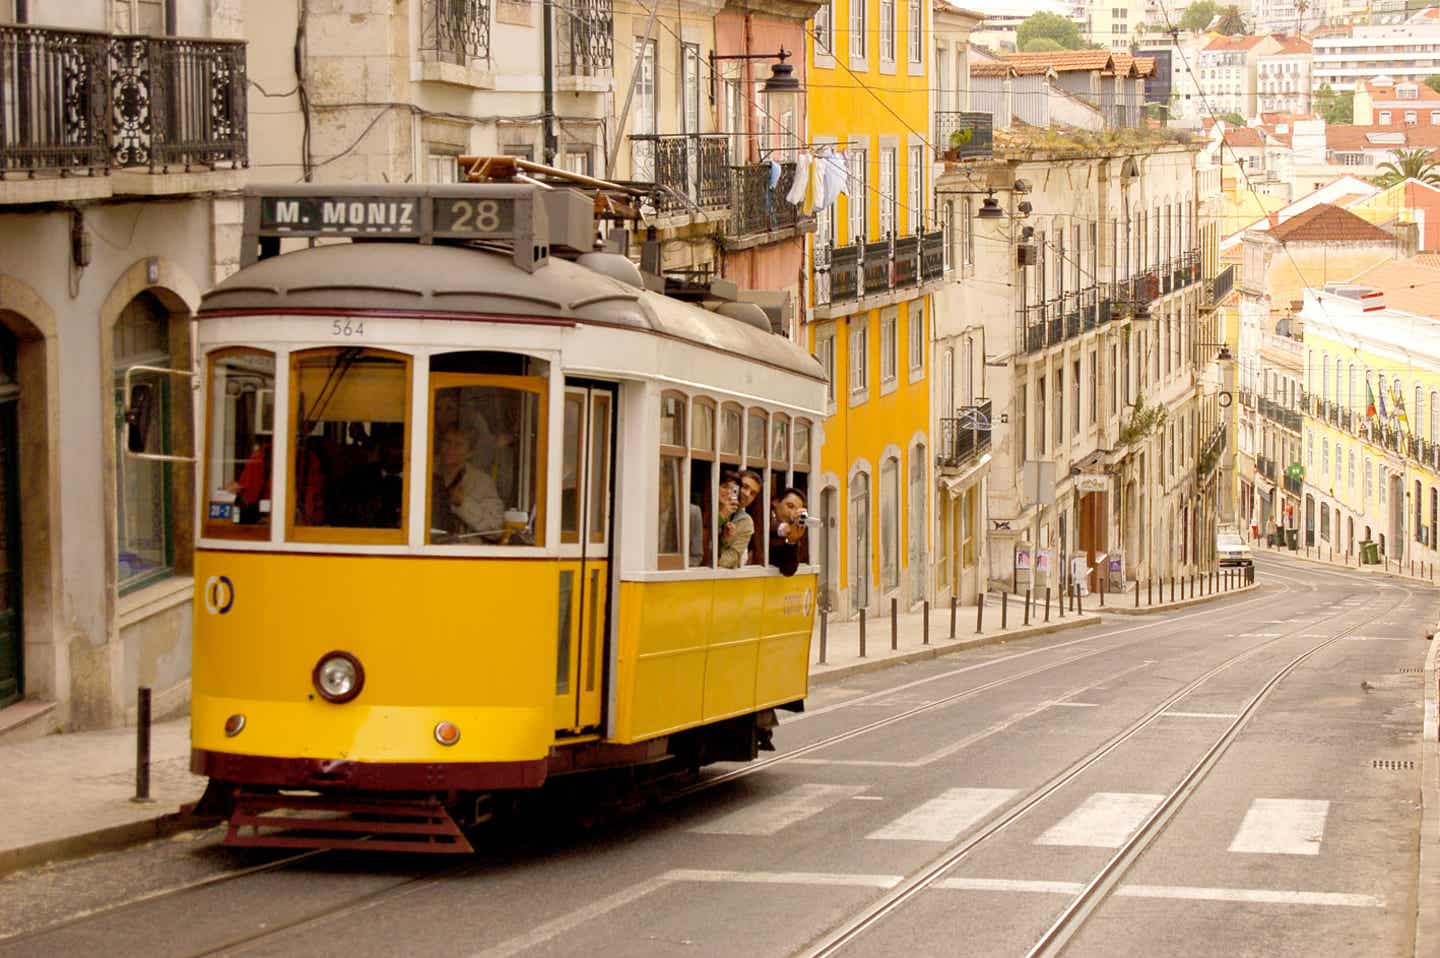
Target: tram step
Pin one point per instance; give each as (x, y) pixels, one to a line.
(326, 821)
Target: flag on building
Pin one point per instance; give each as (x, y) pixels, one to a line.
(1400, 408)
(1383, 413)
(1369, 400)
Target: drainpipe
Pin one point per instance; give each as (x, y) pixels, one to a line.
(549, 144)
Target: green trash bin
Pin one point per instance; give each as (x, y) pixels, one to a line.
(1292, 538)
(1370, 552)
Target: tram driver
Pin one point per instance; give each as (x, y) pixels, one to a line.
(464, 500)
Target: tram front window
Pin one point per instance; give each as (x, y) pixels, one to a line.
(487, 451)
(239, 444)
(348, 457)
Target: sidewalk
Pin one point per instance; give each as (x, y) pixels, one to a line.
(1425, 573)
(69, 795)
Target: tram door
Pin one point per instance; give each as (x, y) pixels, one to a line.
(586, 497)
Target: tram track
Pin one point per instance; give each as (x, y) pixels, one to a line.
(408, 885)
(1095, 892)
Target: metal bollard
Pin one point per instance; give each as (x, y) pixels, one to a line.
(142, 747)
(1102, 591)
(1004, 610)
(979, 612)
(894, 624)
(1047, 603)
(862, 633)
(1149, 590)
(954, 601)
(1172, 588)
(1027, 606)
(1079, 602)
(925, 634)
(1064, 597)
(1137, 593)
(824, 634)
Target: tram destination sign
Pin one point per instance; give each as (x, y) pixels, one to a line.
(342, 215)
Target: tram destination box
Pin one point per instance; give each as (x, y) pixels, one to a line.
(529, 219)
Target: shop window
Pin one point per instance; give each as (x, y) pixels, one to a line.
(144, 487)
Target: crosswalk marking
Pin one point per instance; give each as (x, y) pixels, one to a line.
(1260, 896)
(1280, 826)
(943, 819)
(768, 816)
(1104, 820)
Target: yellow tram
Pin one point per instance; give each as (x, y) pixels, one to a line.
(463, 513)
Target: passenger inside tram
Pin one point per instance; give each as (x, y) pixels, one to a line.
(737, 529)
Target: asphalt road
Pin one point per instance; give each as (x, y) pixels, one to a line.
(1239, 778)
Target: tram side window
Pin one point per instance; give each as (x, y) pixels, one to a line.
(701, 534)
(672, 486)
(487, 460)
(240, 444)
(348, 456)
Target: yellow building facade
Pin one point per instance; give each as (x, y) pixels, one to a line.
(876, 257)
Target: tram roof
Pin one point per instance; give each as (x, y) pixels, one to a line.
(449, 282)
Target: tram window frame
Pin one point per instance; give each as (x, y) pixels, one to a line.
(760, 465)
(809, 428)
(295, 531)
(217, 528)
(601, 413)
(537, 385)
(676, 453)
(704, 478)
(571, 535)
(737, 451)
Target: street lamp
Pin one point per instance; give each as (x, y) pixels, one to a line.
(781, 91)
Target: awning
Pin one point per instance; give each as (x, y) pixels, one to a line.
(956, 484)
(1266, 487)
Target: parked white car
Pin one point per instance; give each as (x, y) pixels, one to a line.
(1231, 550)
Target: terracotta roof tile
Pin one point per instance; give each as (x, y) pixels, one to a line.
(987, 69)
(1348, 138)
(1145, 66)
(1386, 93)
(1242, 137)
(1064, 61)
(1290, 46)
(1325, 222)
(1221, 44)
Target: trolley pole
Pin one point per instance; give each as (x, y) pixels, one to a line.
(142, 748)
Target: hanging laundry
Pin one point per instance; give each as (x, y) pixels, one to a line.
(835, 176)
(796, 195)
(812, 187)
(772, 175)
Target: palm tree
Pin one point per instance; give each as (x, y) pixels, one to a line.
(1300, 7)
(1409, 165)
(1231, 22)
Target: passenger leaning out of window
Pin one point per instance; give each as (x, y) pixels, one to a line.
(750, 487)
(736, 526)
(787, 531)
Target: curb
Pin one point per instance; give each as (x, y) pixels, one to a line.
(1371, 570)
(113, 838)
(959, 645)
(1182, 603)
(1427, 918)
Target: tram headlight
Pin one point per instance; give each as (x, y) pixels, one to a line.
(338, 677)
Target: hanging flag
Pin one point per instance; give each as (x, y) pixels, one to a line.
(1369, 401)
(1383, 413)
(1400, 408)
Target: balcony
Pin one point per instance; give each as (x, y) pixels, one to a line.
(845, 274)
(1267, 468)
(1211, 453)
(690, 170)
(964, 136)
(455, 42)
(1033, 328)
(1146, 288)
(90, 103)
(586, 45)
(1293, 484)
(1281, 416)
(965, 437)
(1218, 288)
(755, 207)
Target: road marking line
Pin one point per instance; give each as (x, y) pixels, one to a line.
(943, 819)
(1204, 715)
(1252, 895)
(784, 878)
(948, 750)
(1076, 705)
(867, 798)
(1259, 635)
(1282, 826)
(769, 815)
(1380, 638)
(1104, 820)
(1264, 896)
(1010, 884)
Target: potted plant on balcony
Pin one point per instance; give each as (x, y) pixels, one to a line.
(957, 141)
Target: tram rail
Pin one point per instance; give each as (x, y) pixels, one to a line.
(1095, 892)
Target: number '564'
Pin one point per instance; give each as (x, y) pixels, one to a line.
(347, 327)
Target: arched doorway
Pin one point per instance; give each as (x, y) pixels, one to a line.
(860, 536)
(11, 642)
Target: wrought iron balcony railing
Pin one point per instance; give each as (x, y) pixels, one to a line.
(932, 256)
(1211, 453)
(1219, 287)
(1293, 484)
(845, 273)
(965, 436)
(755, 207)
(72, 100)
(906, 271)
(587, 29)
(689, 170)
(455, 31)
(875, 267)
(964, 135)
